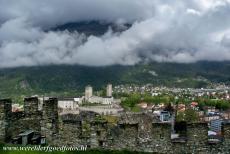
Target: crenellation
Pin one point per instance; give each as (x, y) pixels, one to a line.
(132, 131)
(50, 119)
(31, 106)
(5, 119)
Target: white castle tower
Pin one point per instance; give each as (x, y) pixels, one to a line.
(109, 90)
(88, 92)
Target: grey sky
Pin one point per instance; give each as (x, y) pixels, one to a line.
(174, 31)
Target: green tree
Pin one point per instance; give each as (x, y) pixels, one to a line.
(191, 115)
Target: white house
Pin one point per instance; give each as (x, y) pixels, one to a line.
(100, 100)
(68, 103)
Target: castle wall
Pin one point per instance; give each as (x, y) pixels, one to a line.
(197, 134)
(49, 122)
(124, 137)
(14, 123)
(21, 122)
(135, 132)
(5, 118)
(31, 106)
(226, 131)
(161, 139)
(70, 129)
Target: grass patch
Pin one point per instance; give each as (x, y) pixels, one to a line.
(111, 119)
(136, 109)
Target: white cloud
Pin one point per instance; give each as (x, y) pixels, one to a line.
(175, 31)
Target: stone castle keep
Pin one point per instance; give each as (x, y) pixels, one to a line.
(136, 132)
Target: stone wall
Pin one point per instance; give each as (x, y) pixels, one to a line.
(135, 132)
(5, 118)
(49, 122)
(69, 130)
(161, 137)
(20, 122)
(226, 131)
(27, 120)
(30, 106)
(124, 137)
(11, 124)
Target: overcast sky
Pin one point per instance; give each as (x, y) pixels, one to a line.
(181, 31)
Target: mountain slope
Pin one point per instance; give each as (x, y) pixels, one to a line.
(65, 78)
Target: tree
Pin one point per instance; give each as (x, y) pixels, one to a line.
(191, 115)
(131, 101)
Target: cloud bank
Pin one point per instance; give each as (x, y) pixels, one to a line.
(162, 31)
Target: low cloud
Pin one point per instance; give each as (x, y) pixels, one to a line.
(163, 31)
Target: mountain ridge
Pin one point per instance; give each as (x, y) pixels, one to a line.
(66, 78)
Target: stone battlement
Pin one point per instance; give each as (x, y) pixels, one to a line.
(139, 132)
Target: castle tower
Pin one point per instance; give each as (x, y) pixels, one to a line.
(31, 106)
(50, 119)
(88, 92)
(109, 90)
(5, 118)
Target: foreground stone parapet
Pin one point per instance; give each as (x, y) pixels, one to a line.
(31, 105)
(5, 118)
(131, 131)
(50, 119)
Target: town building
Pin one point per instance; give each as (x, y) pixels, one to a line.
(67, 103)
(165, 116)
(216, 125)
(100, 100)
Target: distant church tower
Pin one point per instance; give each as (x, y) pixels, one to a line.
(88, 92)
(109, 90)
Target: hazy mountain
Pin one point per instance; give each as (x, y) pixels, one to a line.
(73, 78)
(96, 28)
(65, 78)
